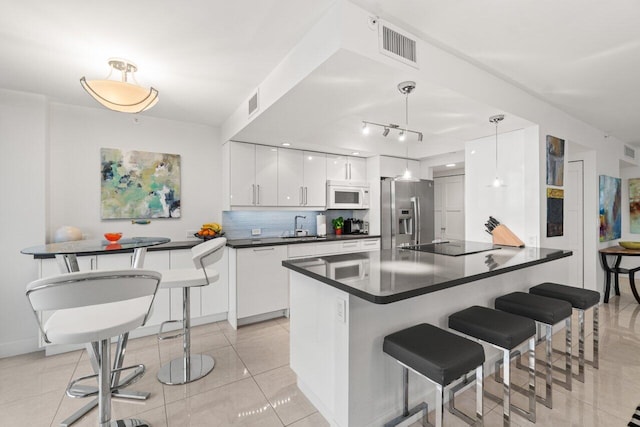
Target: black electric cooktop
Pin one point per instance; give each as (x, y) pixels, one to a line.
(455, 248)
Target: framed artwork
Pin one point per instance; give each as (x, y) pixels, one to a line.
(555, 212)
(555, 161)
(634, 205)
(139, 184)
(610, 199)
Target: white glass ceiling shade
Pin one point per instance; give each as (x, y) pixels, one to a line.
(120, 95)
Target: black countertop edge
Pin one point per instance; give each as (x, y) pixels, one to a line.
(276, 241)
(234, 243)
(186, 244)
(377, 299)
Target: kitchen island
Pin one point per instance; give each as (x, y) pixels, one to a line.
(342, 306)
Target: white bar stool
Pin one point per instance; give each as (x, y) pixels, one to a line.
(93, 307)
(190, 367)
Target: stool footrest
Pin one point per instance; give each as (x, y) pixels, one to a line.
(178, 333)
(422, 406)
(79, 391)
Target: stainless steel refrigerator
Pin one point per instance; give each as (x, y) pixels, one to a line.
(406, 212)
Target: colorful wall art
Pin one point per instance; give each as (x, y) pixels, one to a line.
(634, 205)
(610, 204)
(555, 212)
(139, 184)
(555, 161)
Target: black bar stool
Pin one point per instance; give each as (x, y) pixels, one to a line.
(505, 332)
(441, 357)
(546, 312)
(581, 300)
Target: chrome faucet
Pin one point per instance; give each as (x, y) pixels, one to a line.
(296, 230)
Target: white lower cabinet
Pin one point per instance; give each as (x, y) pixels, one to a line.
(261, 283)
(333, 248)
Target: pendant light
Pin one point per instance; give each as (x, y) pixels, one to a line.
(406, 88)
(121, 95)
(497, 182)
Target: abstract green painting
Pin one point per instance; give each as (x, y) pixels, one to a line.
(139, 184)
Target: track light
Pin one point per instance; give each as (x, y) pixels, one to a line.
(405, 88)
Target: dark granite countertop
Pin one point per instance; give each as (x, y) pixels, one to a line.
(391, 275)
(234, 243)
(274, 241)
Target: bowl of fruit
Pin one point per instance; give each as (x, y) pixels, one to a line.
(209, 231)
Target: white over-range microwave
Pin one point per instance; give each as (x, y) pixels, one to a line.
(347, 195)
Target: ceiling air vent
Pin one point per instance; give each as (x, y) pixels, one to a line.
(629, 152)
(253, 104)
(397, 45)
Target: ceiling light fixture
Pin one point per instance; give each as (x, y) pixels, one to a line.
(406, 88)
(450, 165)
(285, 144)
(120, 95)
(497, 182)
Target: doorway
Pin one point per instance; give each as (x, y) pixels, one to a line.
(573, 221)
(449, 207)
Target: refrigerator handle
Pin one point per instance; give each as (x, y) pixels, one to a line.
(415, 202)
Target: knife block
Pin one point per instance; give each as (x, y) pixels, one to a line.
(503, 236)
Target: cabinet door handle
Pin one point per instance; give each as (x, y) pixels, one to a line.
(305, 196)
(349, 245)
(258, 192)
(264, 249)
(370, 243)
(91, 266)
(253, 194)
(349, 170)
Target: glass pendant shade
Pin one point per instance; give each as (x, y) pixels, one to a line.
(497, 182)
(120, 95)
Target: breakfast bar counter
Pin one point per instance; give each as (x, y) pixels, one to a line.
(342, 306)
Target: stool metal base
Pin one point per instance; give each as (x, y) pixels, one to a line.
(181, 371)
(129, 422)
(410, 413)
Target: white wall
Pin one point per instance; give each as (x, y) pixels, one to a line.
(76, 136)
(23, 123)
(51, 167)
(508, 204)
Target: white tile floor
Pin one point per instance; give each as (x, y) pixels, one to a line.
(252, 384)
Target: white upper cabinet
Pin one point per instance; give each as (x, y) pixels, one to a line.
(290, 179)
(253, 175)
(315, 179)
(266, 176)
(344, 168)
(242, 171)
(302, 178)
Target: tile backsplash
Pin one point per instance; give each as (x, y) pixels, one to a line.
(238, 224)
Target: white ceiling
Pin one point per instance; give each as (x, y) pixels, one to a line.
(207, 56)
(582, 56)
